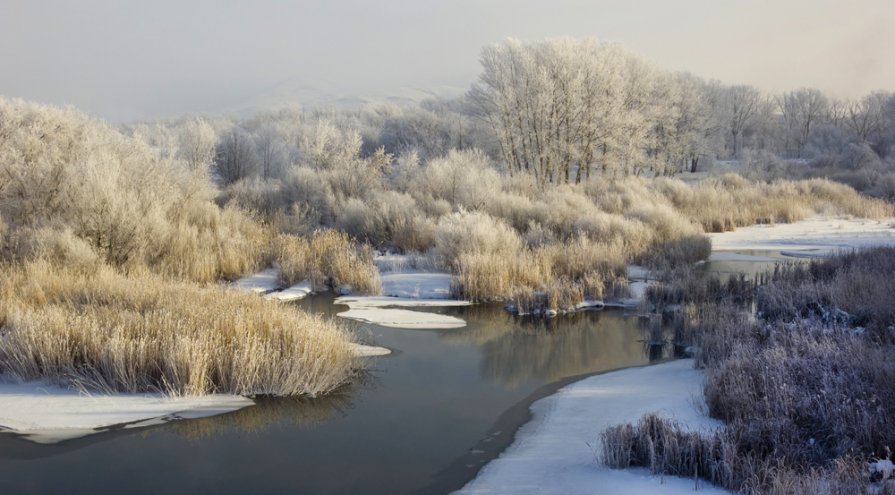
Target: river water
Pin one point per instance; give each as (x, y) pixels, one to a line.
(422, 420)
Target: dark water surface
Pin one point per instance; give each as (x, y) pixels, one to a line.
(423, 420)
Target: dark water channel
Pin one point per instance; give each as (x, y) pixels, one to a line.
(423, 420)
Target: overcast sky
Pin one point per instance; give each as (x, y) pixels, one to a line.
(125, 60)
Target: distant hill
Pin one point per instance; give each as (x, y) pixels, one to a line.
(294, 92)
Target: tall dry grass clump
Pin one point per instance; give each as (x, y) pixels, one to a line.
(329, 259)
(142, 333)
(725, 203)
(492, 263)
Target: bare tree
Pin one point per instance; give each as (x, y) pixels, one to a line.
(866, 117)
(235, 158)
(742, 106)
(801, 111)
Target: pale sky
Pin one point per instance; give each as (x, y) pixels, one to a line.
(125, 60)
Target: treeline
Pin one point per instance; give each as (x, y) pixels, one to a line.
(566, 110)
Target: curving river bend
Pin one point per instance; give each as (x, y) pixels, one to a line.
(423, 420)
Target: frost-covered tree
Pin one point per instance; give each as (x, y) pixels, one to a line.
(235, 156)
(801, 111)
(866, 117)
(742, 107)
(561, 107)
(196, 143)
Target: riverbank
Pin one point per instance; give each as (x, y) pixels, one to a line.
(557, 451)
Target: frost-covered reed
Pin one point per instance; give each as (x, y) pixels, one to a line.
(804, 390)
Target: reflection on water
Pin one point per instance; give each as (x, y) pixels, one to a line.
(415, 413)
(267, 412)
(520, 349)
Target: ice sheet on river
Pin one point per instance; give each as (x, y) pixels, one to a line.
(404, 290)
(48, 414)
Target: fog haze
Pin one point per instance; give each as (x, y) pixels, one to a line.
(137, 60)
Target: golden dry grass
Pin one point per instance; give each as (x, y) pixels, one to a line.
(725, 203)
(141, 332)
(329, 259)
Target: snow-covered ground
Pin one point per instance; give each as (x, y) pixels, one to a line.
(817, 236)
(262, 282)
(419, 285)
(557, 452)
(733, 256)
(267, 282)
(293, 293)
(48, 414)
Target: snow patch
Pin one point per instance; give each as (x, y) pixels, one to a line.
(638, 289)
(406, 289)
(402, 318)
(361, 350)
(259, 283)
(734, 256)
(48, 414)
(420, 285)
(589, 304)
(636, 272)
(824, 233)
(555, 452)
(408, 302)
(293, 293)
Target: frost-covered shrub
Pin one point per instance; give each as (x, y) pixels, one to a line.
(472, 233)
(885, 187)
(255, 194)
(387, 219)
(762, 165)
(464, 178)
(127, 201)
(516, 209)
(804, 389)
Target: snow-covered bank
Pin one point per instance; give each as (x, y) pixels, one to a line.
(293, 293)
(267, 282)
(262, 282)
(815, 236)
(732, 256)
(555, 452)
(420, 285)
(49, 414)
